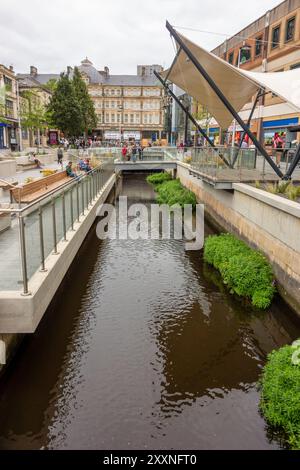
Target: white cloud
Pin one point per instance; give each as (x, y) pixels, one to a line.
(118, 33)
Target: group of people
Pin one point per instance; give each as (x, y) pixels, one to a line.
(83, 165)
(132, 152)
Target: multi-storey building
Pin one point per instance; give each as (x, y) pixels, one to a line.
(34, 98)
(269, 44)
(8, 109)
(127, 106)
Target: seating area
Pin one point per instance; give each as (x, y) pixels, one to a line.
(31, 191)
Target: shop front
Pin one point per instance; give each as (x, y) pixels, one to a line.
(283, 127)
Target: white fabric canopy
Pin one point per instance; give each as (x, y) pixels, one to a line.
(237, 85)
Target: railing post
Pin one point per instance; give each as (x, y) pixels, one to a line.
(87, 191)
(23, 255)
(71, 209)
(42, 248)
(54, 227)
(77, 201)
(82, 194)
(64, 216)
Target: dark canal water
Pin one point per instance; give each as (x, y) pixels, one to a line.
(143, 348)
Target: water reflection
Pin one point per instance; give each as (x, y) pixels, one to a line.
(142, 348)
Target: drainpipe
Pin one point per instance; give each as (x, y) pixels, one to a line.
(19, 117)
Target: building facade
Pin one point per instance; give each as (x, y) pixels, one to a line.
(34, 98)
(269, 44)
(127, 106)
(9, 136)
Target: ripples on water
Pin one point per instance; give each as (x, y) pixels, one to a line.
(141, 349)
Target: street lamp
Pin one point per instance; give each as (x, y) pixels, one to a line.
(243, 48)
(120, 108)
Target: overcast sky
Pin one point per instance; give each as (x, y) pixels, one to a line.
(52, 34)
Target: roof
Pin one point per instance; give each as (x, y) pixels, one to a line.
(97, 77)
(236, 84)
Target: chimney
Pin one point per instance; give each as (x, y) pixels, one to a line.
(33, 71)
(69, 70)
(11, 68)
(106, 71)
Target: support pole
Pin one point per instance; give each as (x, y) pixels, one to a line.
(175, 98)
(223, 98)
(293, 165)
(186, 122)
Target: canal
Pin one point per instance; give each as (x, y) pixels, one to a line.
(142, 348)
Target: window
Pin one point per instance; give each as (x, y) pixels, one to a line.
(106, 117)
(9, 108)
(137, 118)
(8, 83)
(290, 29)
(258, 46)
(231, 57)
(118, 117)
(131, 118)
(126, 118)
(112, 92)
(107, 104)
(245, 54)
(112, 118)
(275, 37)
(295, 66)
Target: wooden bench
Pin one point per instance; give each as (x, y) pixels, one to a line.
(32, 191)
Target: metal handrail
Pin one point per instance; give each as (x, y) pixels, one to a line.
(49, 193)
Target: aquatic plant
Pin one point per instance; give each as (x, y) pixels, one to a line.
(171, 191)
(158, 178)
(280, 394)
(245, 271)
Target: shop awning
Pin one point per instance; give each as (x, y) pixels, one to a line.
(237, 85)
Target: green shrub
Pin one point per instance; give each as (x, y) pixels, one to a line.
(293, 192)
(171, 191)
(158, 178)
(283, 186)
(245, 271)
(280, 394)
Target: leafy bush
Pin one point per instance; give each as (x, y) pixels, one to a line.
(283, 186)
(245, 271)
(171, 191)
(280, 394)
(293, 192)
(158, 178)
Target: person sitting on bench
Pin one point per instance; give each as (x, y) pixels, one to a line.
(69, 170)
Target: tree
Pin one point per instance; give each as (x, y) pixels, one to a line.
(85, 102)
(33, 113)
(51, 84)
(64, 109)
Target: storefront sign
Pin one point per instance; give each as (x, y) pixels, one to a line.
(132, 135)
(111, 135)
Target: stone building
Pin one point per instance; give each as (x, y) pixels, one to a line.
(34, 98)
(9, 138)
(127, 106)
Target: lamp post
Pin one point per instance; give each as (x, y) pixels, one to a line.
(120, 108)
(243, 48)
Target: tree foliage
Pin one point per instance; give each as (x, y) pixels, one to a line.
(64, 109)
(85, 102)
(71, 108)
(245, 271)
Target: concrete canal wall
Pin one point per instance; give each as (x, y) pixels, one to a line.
(21, 314)
(265, 221)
